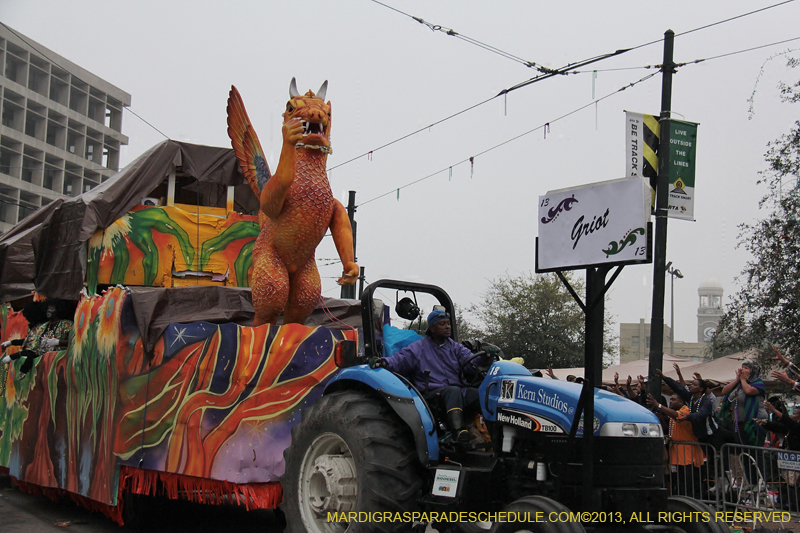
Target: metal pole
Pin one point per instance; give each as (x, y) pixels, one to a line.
(672, 315)
(593, 373)
(349, 291)
(662, 208)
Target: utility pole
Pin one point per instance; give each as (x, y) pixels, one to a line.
(662, 213)
(349, 291)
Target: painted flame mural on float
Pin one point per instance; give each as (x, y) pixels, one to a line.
(213, 401)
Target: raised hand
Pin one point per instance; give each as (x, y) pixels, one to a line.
(781, 375)
(779, 357)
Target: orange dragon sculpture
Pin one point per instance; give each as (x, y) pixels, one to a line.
(297, 207)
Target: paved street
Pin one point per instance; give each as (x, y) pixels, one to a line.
(24, 513)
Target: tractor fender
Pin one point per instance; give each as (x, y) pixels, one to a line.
(401, 397)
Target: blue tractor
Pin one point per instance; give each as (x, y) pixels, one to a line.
(371, 452)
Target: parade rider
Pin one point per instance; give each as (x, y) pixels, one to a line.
(433, 363)
(50, 335)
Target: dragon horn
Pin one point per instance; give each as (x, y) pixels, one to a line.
(322, 90)
(293, 92)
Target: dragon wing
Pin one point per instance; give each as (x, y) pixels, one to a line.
(245, 143)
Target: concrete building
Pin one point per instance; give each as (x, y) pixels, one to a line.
(634, 339)
(61, 127)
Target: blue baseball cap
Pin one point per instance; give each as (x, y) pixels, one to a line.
(436, 316)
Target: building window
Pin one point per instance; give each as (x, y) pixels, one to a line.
(635, 342)
(647, 342)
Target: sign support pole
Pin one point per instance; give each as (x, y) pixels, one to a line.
(594, 311)
(662, 212)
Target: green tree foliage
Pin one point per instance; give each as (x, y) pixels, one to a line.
(764, 311)
(534, 317)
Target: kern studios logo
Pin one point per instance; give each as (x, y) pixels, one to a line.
(508, 390)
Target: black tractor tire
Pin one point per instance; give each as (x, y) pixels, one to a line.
(349, 453)
(684, 504)
(533, 505)
(473, 527)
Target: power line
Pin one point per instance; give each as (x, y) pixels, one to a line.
(415, 132)
(696, 60)
(451, 32)
(740, 51)
(549, 73)
(126, 108)
(507, 141)
(733, 18)
(471, 159)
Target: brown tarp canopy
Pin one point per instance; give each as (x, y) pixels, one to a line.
(47, 250)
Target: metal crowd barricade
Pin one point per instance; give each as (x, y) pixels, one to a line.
(744, 478)
(686, 479)
(758, 478)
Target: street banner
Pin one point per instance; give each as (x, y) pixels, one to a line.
(642, 137)
(641, 141)
(682, 157)
(603, 223)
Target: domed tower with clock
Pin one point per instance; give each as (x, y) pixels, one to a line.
(710, 311)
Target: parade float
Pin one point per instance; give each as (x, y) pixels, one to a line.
(177, 380)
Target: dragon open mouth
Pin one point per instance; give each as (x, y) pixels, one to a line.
(313, 128)
(316, 129)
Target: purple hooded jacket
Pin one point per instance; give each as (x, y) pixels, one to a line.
(443, 361)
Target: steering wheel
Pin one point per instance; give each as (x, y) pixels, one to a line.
(479, 371)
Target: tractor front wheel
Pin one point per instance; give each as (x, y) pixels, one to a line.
(349, 454)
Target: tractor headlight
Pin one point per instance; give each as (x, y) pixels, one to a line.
(630, 429)
(654, 430)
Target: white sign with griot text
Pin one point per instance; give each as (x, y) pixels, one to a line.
(595, 224)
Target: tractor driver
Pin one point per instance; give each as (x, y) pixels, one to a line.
(433, 363)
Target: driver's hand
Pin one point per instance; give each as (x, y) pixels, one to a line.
(492, 351)
(377, 362)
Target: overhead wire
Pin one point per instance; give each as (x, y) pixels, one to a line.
(451, 32)
(542, 68)
(507, 141)
(686, 63)
(546, 74)
(593, 102)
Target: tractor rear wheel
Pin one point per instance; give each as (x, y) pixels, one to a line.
(527, 507)
(683, 505)
(349, 454)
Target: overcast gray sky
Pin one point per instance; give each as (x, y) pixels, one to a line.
(389, 75)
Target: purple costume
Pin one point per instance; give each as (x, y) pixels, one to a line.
(443, 361)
